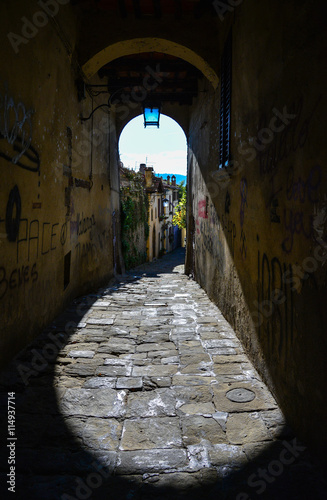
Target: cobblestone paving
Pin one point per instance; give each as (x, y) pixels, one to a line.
(142, 390)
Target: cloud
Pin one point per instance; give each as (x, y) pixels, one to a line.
(162, 162)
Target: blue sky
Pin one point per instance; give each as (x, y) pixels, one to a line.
(164, 148)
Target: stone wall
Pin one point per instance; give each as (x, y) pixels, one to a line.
(256, 229)
(134, 218)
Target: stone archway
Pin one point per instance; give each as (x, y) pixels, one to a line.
(149, 44)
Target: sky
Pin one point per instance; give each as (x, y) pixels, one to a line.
(164, 149)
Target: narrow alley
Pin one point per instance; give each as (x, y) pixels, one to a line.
(141, 387)
(143, 391)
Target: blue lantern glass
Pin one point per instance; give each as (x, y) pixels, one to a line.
(151, 115)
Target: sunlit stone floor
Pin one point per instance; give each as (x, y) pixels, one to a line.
(142, 390)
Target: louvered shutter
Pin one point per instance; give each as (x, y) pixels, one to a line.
(225, 104)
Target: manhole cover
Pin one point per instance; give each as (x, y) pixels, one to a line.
(240, 395)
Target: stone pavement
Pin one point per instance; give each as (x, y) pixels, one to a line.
(142, 391)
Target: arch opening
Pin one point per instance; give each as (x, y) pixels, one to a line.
(164, 148)
(153, 165)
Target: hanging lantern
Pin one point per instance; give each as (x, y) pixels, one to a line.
(151, 114)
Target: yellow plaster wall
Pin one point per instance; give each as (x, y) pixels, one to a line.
(154, 226)
(45, 212)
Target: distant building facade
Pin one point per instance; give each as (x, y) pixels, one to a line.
(162, 194)
(163, 198)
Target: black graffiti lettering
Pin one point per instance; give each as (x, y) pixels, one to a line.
(13, 213)
(293, 137)
(230, 232)
(63, 233)
(53, 235)
(300, 190)
(277, 291)
(34, 274)
(296, 223)
(13, 280)
(16, 134)
(304, 189)
(33, 237)
(26, 274)
(243, 247)
(18, 277)
(86, 251)
(227, 202)
(40, 238)
(43, 239)
(21, 240)
(84, 224)
(275, 306)
(3, 282)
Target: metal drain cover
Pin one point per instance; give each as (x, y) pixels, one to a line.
(240, 395)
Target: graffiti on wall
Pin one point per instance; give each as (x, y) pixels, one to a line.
(34, 239)
(82, 224)
(18, 277)
(275, 311)
(208, 229)
(88, 251)
(16, 133)
(229, 229)
(301, 192)
(31, 239)
(289, 140)
(203, 208)
(38, 238)
(210, 242)
(13, 213)
(244, 204)
(89, 241)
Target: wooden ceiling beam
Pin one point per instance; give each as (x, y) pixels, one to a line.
(188, 84)
(185, 97)
(136, 66)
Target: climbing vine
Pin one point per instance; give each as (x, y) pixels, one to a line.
(134, 220)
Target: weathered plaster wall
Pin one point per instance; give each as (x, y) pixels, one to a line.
(154, 240)
(254, 231)
(58, 181)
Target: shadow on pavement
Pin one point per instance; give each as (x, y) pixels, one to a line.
(50, 461)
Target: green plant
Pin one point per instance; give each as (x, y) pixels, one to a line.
(134, 215)
(179, 218)
(128, 214)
